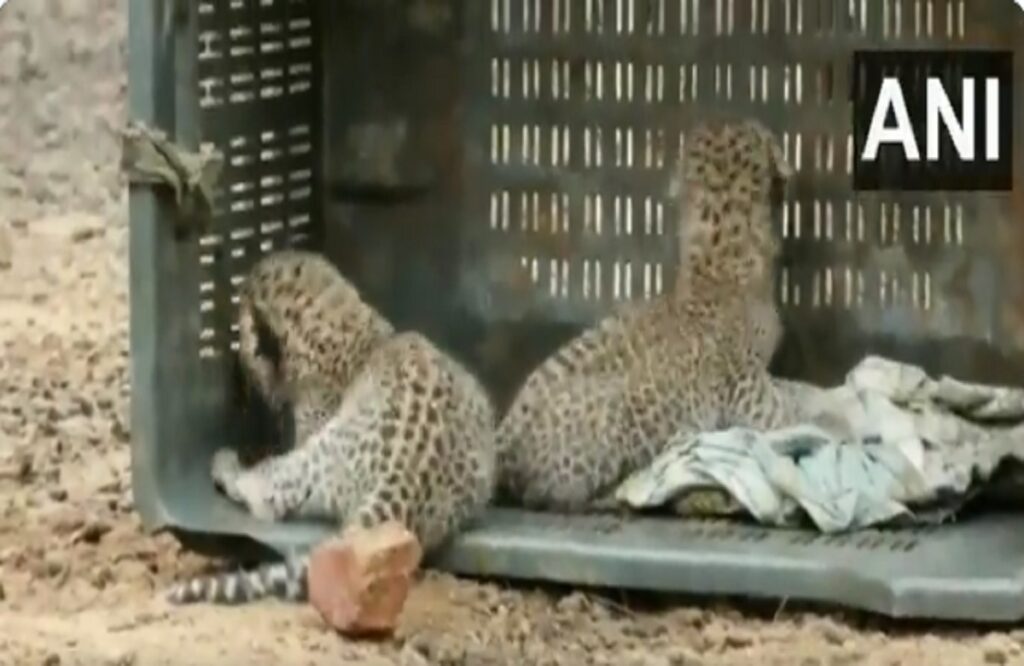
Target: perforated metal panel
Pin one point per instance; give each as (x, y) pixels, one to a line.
(257, 68)
(579, 107)
(243, 75)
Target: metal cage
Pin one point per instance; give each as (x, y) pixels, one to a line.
(490, 172)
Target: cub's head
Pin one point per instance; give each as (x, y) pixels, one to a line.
(724, 155)
(300, 320)
(723, 188)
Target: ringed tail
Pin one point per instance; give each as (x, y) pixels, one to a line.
(284, 580)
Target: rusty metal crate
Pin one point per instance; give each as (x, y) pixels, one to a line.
(490, 172)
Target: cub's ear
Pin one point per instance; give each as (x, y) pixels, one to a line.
(783, 169)
(781, 166)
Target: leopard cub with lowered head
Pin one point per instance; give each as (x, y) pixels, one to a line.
(694, 358)
(387, 427)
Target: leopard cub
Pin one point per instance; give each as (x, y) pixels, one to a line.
(694, 358)
(387, 427)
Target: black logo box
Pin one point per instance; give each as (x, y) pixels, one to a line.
(891, 170)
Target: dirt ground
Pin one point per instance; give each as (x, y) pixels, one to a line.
(80, 580)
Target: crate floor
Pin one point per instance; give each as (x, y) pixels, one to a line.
(969, 571)
(972, 571)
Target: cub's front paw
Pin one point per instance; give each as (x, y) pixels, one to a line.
(256, 493)
(225, 470)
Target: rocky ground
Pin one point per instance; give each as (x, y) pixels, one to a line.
(79, 579)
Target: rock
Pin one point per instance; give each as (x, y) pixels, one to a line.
(82, 234)
(737, 641)
(111, 487)
(52, 567)
(69, 521)
(360, 581)
(91, 533)
(25, 471)
(101, 578)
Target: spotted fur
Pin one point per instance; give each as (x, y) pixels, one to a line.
(695, 357)
(387, 426)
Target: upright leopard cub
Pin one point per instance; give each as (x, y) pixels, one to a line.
(387, 426)
(695, 357)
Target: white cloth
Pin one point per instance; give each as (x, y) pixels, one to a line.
(889, 444)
